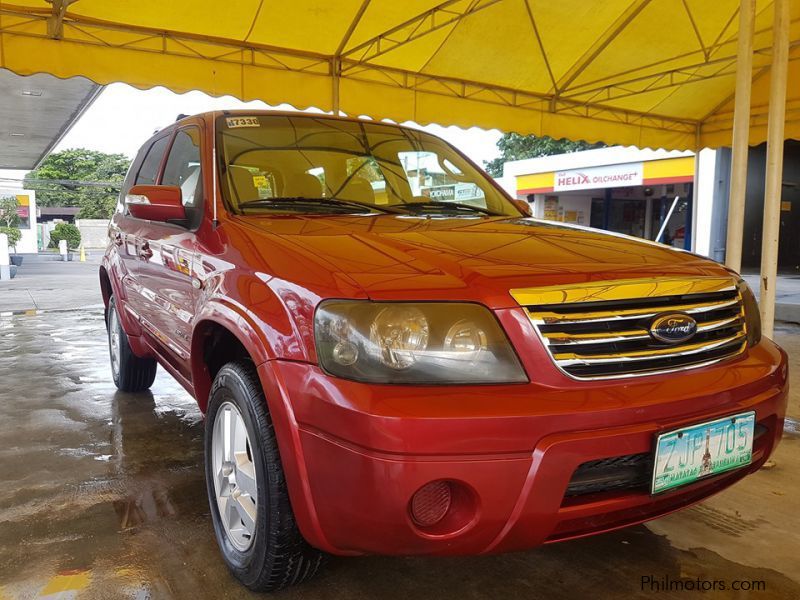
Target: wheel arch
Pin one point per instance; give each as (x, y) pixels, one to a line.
(219, 336)
(105, 285)
(224, 335)
(110, 285)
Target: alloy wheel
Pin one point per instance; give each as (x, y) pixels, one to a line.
(114, 341)
(235, 480)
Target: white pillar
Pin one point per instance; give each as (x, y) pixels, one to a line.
(705, 183)
(772, 188)
(538, 206)
(741, 135)
(5, 270)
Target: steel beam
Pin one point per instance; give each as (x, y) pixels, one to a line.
(55, 23)
(423, 24)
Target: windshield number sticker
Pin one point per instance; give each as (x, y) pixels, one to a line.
(234, 122)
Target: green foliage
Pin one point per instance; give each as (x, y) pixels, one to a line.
(97, 206)
(517, 147)
(80, 165)
(8, 211)
(14, 236)
(65, 231)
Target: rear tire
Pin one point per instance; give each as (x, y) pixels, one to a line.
(258, 537)
(130, 372)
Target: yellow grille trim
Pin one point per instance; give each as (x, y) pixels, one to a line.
(543, 307)
(555, 318)
(669, 350)
(561, 338)
(621, 289)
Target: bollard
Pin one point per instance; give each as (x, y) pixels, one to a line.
(83, 254)
(62, 249)
(5, 270)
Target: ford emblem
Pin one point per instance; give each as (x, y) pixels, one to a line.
(673, 328)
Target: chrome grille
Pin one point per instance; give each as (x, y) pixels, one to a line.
(602, 329)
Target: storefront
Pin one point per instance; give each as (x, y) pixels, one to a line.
(26, 211)
(644, 193)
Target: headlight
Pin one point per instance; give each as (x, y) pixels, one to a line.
(752, 316)
(421, 343)
(399, 333)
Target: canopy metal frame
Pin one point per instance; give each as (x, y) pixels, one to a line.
(588, 99)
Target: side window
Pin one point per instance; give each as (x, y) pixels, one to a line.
(149, 169)
(184, 169)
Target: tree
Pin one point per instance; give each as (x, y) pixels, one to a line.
(85, 167)
(65, 231)
(14, 236)
(9, 216)
(514, 146)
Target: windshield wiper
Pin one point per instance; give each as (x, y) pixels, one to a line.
(444, 206)
(303, 201)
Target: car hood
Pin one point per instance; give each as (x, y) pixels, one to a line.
(394, 257)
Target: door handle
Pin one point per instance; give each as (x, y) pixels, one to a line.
(145, 252)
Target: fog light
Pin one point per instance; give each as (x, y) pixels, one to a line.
(431, 502)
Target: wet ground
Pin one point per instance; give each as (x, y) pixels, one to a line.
(44, 282)
(102, 496)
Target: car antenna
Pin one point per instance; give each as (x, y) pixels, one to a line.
(181, 116)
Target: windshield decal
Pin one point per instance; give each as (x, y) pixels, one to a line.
(236, 122)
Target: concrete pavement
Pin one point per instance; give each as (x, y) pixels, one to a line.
(787, 295)
(44, 283)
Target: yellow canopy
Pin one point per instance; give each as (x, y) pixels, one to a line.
(657, 73)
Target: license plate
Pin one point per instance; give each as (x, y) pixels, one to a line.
(691, 453)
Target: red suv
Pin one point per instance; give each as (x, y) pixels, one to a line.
(394, 358)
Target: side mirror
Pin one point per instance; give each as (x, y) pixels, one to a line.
(156, 202)
(523, 206)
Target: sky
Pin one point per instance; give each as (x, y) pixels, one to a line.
(123, 117)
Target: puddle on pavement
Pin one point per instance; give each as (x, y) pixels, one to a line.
(110, 501)
(99, 464)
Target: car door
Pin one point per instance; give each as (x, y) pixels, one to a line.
(128, 233)
(167, 254)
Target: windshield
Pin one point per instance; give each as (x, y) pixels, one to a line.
(278, 163)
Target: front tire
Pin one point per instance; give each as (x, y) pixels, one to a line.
(130, 372)
(253, 519)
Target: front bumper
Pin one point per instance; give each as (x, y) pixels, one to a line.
(354, 454)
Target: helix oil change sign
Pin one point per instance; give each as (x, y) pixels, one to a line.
(628, 174)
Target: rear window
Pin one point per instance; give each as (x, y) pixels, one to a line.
(149, 169)
(184, 170)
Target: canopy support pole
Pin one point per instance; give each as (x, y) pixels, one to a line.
(336, 62)
(774, 177)
(336, 69)
(741, 133)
